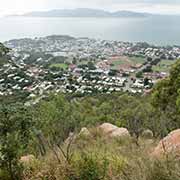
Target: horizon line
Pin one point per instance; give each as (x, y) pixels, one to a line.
(110, 11)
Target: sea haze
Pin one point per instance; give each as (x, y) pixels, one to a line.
(160, 30)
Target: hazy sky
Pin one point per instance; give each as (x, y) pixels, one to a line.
(153, 6)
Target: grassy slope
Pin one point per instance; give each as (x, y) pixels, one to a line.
(100, 158)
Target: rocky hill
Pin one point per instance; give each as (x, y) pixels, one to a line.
(85, 12)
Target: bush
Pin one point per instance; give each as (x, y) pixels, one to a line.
(91, 167)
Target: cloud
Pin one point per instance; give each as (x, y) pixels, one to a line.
(147, 2)
(155, 6)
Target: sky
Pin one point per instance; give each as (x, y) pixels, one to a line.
(152, 6)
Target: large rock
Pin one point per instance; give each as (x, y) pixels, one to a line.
(169, 145)
(113, 131)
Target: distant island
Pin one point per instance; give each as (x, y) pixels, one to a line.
(84, 12)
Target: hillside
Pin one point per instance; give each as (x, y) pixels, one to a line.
(84, 12)
(67, 136)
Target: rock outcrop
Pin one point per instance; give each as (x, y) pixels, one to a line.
(168, 145)
(113, 131)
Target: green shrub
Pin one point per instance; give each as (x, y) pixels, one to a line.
(91, 167)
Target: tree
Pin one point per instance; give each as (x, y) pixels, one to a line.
(91, 66)
(15, 132)
(146, 81)
(135, 115)
(3, 50)
(149, 59)
(112, 72)
(139, 74)
(165, 99)
(155, 61)
(54, 118)
(74, 61)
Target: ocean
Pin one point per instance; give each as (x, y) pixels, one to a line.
(157, 30)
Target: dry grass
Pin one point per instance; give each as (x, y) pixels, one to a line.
(100, 158)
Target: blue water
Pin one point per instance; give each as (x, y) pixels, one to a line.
(160, 30)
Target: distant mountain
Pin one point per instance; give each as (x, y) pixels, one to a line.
(84, 12)
(129, 14)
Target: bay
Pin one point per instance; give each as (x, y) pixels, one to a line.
(158, 30)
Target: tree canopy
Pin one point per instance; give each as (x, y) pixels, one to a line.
(3, 50)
